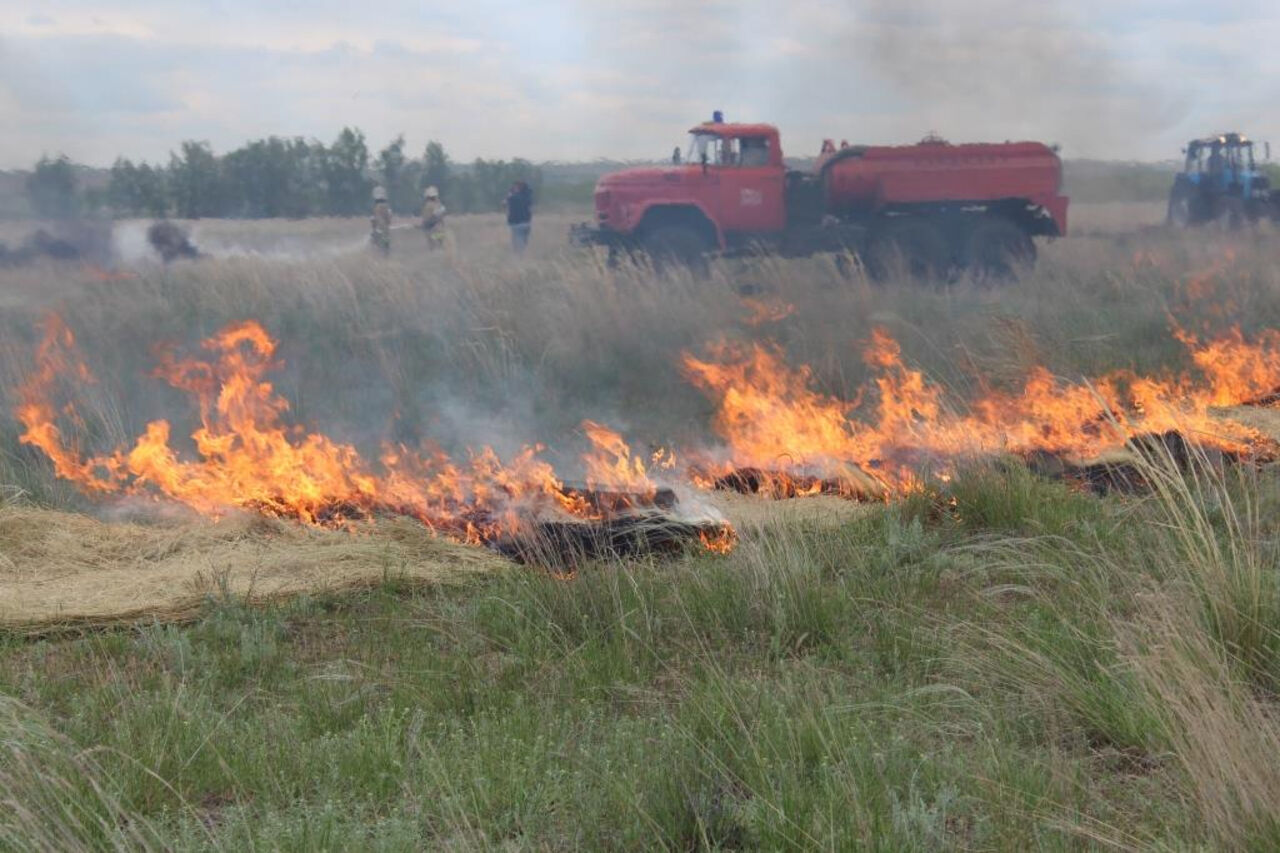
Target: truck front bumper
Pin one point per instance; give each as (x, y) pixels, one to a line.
(586, 234)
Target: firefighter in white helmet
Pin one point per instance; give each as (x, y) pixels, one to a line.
(433, 213)
(381, 221)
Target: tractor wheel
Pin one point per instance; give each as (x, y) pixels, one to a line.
(1181, 208)
(997, 251)
(1188, 207)
(912, 248)
(1231, 214)
(672, 246)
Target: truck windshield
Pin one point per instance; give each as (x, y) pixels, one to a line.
(717, 150)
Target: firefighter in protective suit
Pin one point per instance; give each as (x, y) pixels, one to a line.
(381, 221)
(433, 218)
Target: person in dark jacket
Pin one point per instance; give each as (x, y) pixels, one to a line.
(520, 214)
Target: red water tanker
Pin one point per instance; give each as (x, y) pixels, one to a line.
(934, 207)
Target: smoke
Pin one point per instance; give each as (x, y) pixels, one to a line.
(138, 242)
(41, 244)
(68, 241)
(170, 241)
(288, 249)
(129, 240)
(996, 69)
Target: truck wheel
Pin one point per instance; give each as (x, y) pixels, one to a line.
(997, 251)
(912, 247)
(671, 246)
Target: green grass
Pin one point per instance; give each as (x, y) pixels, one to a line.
(908, 680)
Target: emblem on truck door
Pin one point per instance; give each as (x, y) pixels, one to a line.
(750, 198)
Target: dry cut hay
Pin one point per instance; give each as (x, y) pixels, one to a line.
(59, 568)
(751, 513)
(1265, 419)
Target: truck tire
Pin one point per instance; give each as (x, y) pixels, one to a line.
(673, 246)
(997, 251)
(914, 247)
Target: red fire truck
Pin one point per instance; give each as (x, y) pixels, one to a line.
(932, 209)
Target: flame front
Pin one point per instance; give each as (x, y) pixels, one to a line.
(775, 424)
(247, 455)
(779, 432)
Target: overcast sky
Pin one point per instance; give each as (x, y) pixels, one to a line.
(580, 79)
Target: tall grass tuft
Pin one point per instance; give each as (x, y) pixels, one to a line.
(1224, 736)
(55, 797)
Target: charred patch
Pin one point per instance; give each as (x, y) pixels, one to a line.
(1153, 451)
(777, 484)
(567, 543)
(612, 524)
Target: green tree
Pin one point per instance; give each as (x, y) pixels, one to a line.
(491, 180)
(399, 176)
(136, 190)
(437, 171)
(195, 183)
(122, 187)
(462, 193)
(52, 189)
(153, 197)
(93, 200)
(347, 185)
(271, 177)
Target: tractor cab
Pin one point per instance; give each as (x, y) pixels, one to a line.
(1221, 179)
(1222, 161)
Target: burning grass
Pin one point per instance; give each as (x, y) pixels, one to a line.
(782, 437)
(248, 457)
(991, 662)
(785, 439)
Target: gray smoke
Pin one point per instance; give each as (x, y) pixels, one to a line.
(278, 248)
(171, 242)
(68, 241)
(1003, 69)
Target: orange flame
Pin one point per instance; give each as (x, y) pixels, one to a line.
(775, 424)
(97, 273)
(247, 455)
(762, 310)
(610, 465)
(57, 359)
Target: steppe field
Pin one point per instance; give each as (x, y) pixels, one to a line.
(261, 592)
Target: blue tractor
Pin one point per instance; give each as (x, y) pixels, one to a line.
(1222, 182)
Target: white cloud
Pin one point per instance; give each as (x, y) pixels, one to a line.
(577, 79)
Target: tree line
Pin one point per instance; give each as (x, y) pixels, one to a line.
(278, 177)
